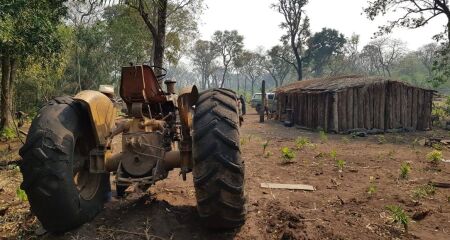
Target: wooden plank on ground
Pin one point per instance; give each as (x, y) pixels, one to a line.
(288, 186)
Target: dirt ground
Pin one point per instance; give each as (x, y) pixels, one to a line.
(340, 208)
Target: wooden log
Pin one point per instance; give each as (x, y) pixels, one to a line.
(350, 124)
(376, 104)
(343, 110)
(326, 112)
(408, 107)
(335, 98)
(382, 120)
(404, 106)
(365, 92)
(360, 108)
(371, 108)
(420, 109)
(414, 115)
(355, 108)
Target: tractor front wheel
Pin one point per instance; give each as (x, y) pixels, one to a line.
(63, 194)
(218, 167)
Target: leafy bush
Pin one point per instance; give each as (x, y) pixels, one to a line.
(372, 187)
(398, 216)
(340, 165)
(21, 195)
(287, 155)
(434, 157)
(405, 169)
(302, 142)
(424, 191)
(8, 133)
(333, 154)
(323, 136)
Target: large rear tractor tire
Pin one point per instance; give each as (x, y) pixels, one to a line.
(63, 194)
(218, 167)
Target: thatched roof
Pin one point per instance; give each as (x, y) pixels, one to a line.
(333, 84)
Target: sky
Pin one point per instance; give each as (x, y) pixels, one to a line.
(259, 23)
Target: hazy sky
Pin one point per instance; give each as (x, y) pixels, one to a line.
(259, 23)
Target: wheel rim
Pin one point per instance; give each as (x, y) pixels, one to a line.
(87, 183)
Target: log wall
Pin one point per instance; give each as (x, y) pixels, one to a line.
(383, 106)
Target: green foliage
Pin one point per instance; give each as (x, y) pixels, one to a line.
(405, 169)
(372, 189)
(340, 165)
(398, 216)
(424, 191)
(8, 133)
(21, 195)
(287, 155)
(302, 142)
(265, 145)
(381, 139)
(333, 154)
(434, 157)
(346, 140)
(323, 136)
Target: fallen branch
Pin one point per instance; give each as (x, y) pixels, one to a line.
(440, 184)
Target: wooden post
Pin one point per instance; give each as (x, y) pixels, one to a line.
(263, 101)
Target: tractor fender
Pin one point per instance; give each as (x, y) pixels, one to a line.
(101, 113)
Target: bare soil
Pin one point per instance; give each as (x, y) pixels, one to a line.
(340, 208)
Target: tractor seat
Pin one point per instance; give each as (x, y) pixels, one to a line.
(140, 85)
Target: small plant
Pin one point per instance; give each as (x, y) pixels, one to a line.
(242, 141)
(381, 139)
(7, 133)
(333, 154)
(346, 140)
(391, 154)
(398, 216)
(405, 169)
(372, 187)
(424, 191)
(415, 143)
(268, 154)
(437, 146)
(398, 139)
(434, 157)
(340, 165)
(287, 155)
(21, 195)
(265, 145)
(302, 142)
(323, 136)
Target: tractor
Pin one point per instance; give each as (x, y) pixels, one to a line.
(69, 154)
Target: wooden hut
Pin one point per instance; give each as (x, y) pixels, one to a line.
(340, 104)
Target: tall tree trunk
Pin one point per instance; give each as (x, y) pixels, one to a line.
(160, 38)
(298, 59)
(6, 108)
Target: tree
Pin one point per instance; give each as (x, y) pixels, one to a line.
(27, 28)
(229, 44)
(414, 13)
(297, 28)
(322, 46)
(156, 14)
(202, 56)
(427, 55)
(253, 67)
(384, 53)
(276, 63)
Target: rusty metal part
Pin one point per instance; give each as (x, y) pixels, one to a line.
(187, 99)
(141, 152)
(136, 110)
(170, 84)
(97, 160)
(172, 160)
(139, 85)
(153, 125)
(101, 112)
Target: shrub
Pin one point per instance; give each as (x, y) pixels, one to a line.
(302, 142)
(405, 169)
(340, 165)
(333, 154)
(424, 191)
(398, 216)
(287, 155)
(323, 136)
(8, 133)
(434, 157)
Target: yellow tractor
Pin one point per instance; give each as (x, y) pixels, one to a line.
(68, 155)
